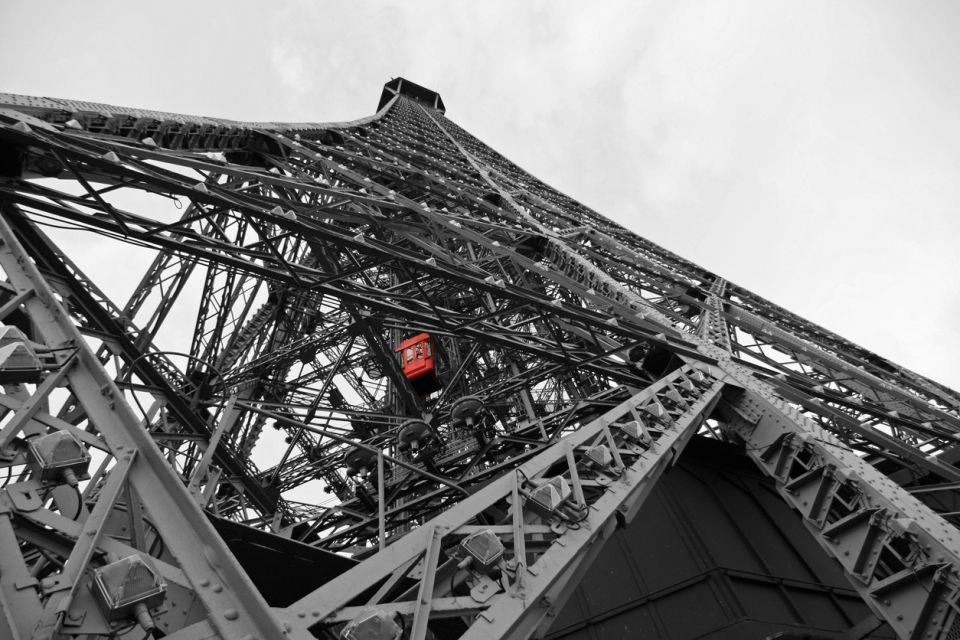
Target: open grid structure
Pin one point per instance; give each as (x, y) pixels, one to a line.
(407, 352)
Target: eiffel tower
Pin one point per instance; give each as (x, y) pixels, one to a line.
(375, 381)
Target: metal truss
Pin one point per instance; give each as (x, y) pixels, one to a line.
(574, 359)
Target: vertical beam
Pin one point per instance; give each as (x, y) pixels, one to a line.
(20, 605)
(431, 554)
(713, 323)
(381, 503)
(519, 546)
(227, 420)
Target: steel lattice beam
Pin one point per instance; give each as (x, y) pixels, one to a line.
(569, 352)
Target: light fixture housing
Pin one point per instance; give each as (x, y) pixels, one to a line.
(121, 586)
(485, 548)
(59, 456)
(600, 456)
(19, 363)
(374, 624)
(636, 431)
(547, 498)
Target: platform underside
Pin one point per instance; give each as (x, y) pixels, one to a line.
(714, 553)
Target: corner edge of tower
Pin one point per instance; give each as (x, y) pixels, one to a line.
(412, 90)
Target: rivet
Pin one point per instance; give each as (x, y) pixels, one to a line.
(204, 582)
(217, 588)
(231, 614)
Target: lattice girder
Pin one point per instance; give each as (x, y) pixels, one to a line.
(306, 254)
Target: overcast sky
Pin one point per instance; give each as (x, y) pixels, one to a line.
(809, 151)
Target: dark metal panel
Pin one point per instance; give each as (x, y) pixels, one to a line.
(283, 570)
(691, 612)
(712, 554)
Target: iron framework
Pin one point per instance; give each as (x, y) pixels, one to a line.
(574, 360)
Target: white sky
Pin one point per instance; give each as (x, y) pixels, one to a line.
(809, 151)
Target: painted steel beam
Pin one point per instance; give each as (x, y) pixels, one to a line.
(44, 253)
(233, 606)
(538, 562)
(312, 236)
(902, 558)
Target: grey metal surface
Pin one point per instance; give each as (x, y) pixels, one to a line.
(139, 470)
(307, 253)
(714, 539)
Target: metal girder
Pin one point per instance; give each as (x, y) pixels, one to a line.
(172, 130)
(319, 248)
(232, 604)
(543, 550)
(713, 326)
(901, 556)
(45, 254)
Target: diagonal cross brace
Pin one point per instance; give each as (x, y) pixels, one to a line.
(235, 608)
(902, 557)
(523, 610)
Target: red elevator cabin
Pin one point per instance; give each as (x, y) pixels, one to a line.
(418, 362)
